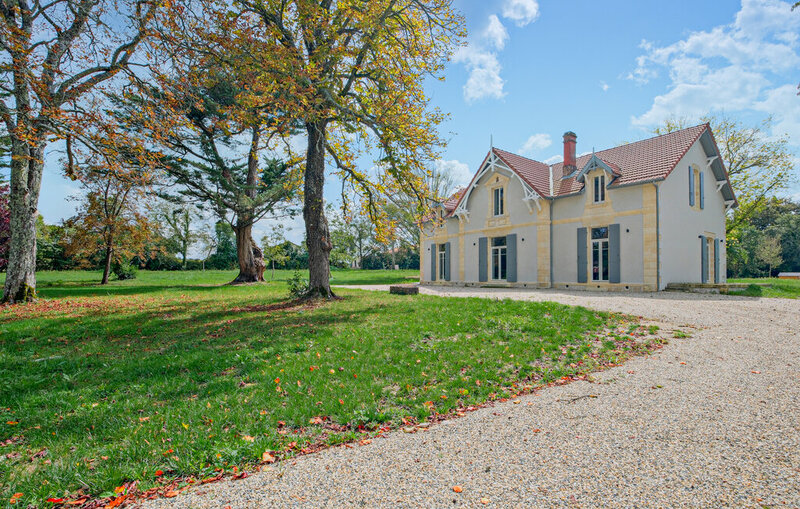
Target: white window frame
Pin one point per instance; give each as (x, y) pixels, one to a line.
(442, 261)
(499, 254)
(599, 189)
(598, 245)
(498, 201)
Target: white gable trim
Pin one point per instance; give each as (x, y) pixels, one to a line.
(492, 164)
(593, 164)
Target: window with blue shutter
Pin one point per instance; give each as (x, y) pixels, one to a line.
(614, 267)
(511, 255)
(691, 186)
(483, 264)
(433, 262)
(582, 258)
(702, 191)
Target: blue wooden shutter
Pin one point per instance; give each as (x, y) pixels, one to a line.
(433, 262)
(483, 266)
(703, 260)
(447, 261)
(613, 254)
(716, 261)
(702, 192)
(583, 265)
(691, 187)
(511, 258)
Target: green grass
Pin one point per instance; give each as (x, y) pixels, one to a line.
(172, 372)
(769, 287)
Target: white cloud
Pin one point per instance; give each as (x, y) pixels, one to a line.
(536, 142)
(553, 160)
(604, 86)
(484, 73)
(521, 12)
(745, 65)
(460, 172)
(495, 33)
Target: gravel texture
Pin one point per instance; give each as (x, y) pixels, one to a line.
(708, 421)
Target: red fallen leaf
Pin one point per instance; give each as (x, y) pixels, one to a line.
(171, 494)
(116, 502)
(316, 420)
(159, 473)
(457, 489)
(55, 500)
(537, 430)
(12, 423)
(14, 498)
(78, 501)
(168, 451)
(267, 457)
(341, 402)
(756, 372)
(240, 475)
(281, 424)
(292, 445)
(366, 441)
(211, 479)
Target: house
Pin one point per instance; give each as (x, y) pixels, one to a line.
(633, 217)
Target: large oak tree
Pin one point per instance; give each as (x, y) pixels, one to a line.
(52, 55)
(352, 72)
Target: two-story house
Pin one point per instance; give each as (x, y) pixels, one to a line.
(633, 217)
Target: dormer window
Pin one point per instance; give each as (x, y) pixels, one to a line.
(600, 189)
(499, 205)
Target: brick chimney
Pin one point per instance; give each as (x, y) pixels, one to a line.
(570, 140)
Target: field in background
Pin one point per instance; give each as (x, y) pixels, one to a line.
(769, 287)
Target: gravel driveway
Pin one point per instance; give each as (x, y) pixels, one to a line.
(709, 421)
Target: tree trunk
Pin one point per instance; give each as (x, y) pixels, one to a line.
(317, 235)
(26, 179)
(107, 265)
(248, 268)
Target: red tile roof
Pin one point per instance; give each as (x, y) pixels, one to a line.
(640, 161)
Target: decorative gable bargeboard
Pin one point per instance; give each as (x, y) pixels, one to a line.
(634, 217)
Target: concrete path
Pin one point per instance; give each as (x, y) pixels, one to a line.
(709, 421)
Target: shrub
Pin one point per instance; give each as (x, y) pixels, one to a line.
(298, 285)
(124, 271)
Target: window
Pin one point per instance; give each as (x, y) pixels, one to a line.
(498, 201)
(600, 189)
(442, 261)
(600, 254)
(499, 262)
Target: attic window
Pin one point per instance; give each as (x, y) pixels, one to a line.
(600, 189)
(498, 202)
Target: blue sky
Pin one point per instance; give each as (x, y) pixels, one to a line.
(607, 70)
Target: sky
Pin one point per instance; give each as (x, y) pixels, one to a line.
(609, 71)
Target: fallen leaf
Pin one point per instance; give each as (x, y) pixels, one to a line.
(119, 489)
(457, 489)
(116, 502)
(267, 457)
(484, 501)
(248, 438)
(78, 501)
(159, 473)
(537, 430)
(14, 498)
(12, 423)
(756, 372)
(55, 500)
(171, 494)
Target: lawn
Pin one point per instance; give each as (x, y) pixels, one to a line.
(171, 378)
(769, 287)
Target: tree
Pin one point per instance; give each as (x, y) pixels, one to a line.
(758, 165)
(178, 219)
(273, 243)
(224, 256)
(53, 54)
(214, 148)
(769, 253)
(109, 219)
(5, 226)
(350, 237)
(352, 74)
(401, 207)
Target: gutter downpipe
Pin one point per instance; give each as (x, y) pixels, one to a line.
(658, 238)
(551, 242)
